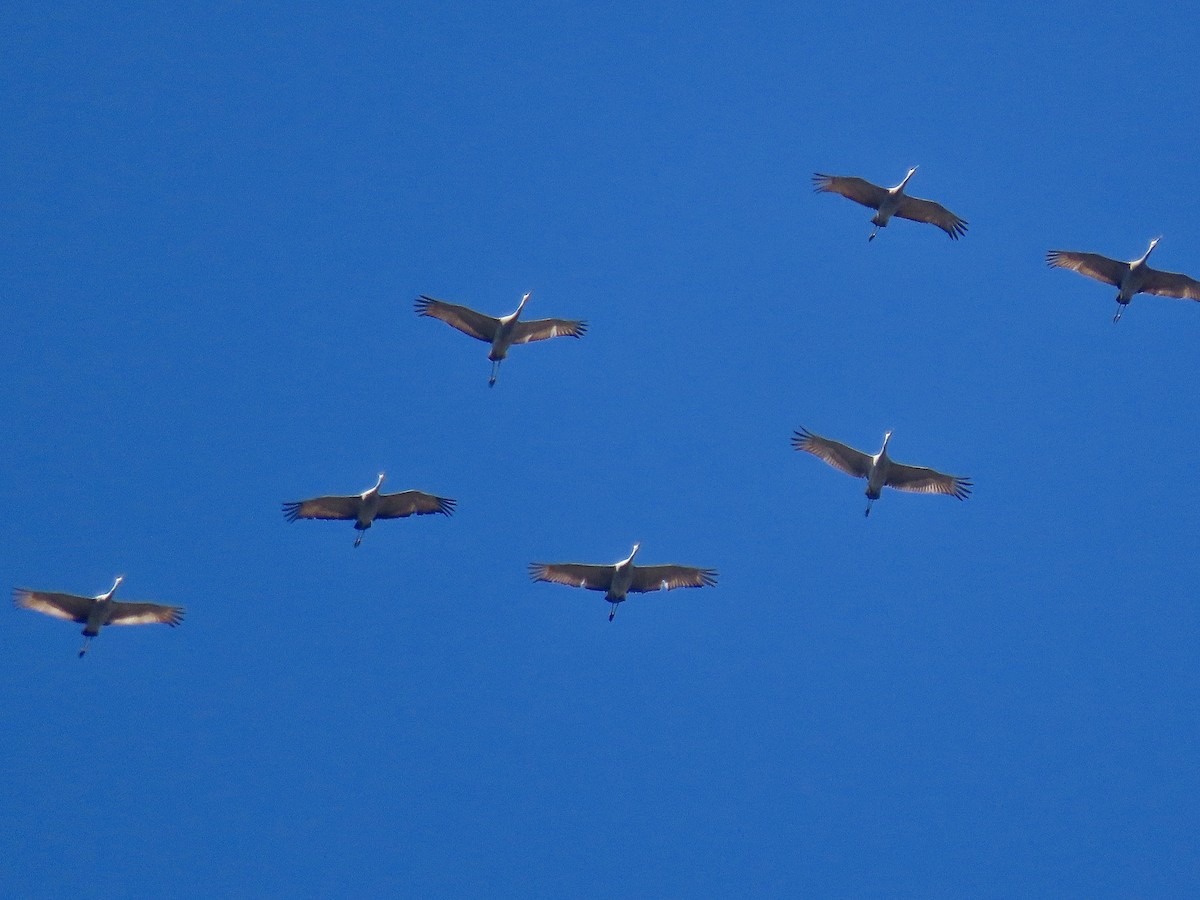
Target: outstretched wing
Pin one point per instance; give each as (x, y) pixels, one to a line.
(594, 578)
(541, 329)
(920, 480)
(323, 508)
(917, 210)
(145, 614)
(857, 189)
(412, 503)
(71, 607)
(1171, 284)
(847, 459)
(466, 320)
(667, 578)
(1093, 265)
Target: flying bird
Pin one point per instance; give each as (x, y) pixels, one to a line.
(1133, 277)
(890, 202)
(622, 577)
(368, 506)
(501, 333)
(880, 470)
(96, 612)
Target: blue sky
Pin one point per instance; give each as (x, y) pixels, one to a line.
(216, 218)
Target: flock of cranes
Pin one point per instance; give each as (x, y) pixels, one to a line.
(621, 578)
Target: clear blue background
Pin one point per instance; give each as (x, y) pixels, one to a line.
(215, 219)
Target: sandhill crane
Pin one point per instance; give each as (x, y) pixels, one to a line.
(622, 577)
(501, 333)
(96, 612)
(880, 470)
(1133, 277)
(891, 202)
(368, 506)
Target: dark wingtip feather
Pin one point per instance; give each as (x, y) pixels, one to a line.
(421, 304)
(446, 505)
(963, 488)
(291, 510)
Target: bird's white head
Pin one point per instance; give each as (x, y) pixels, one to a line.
(116, 584)
(887, 436)
(911, 173)
(379, 483)
(636, 548)
(1153, 244)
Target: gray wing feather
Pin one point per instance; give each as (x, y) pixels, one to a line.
(920, 480)
(145, 614)
(1093, 265)
(669, 577)
(857, 189)
(541, 329)
(465, 319)
(1171, 284)
(838, 455)
(593, 578)
(322, 508)
(71, 607)
(917, 210)
(410, 503)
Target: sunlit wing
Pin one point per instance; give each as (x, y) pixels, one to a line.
(466, 320)
(920, 480)
(667, 578)
(541, 329)
(857, 189)
(1171, 284)
(838, 455)
(412, 503)
(1093, 265)
(594, 578)
(145, 614)
(917, 210)
(62, 606)
(323, 508)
